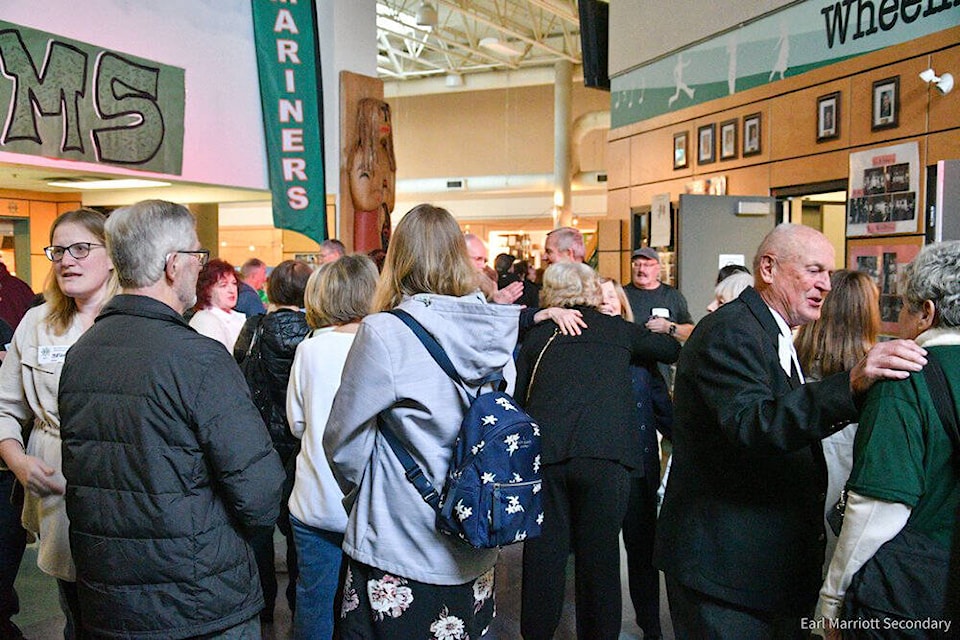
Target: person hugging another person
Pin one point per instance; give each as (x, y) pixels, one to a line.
(404, 578)
(578, 389)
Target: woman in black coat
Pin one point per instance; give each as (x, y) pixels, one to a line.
(265, 350)
(578, 389)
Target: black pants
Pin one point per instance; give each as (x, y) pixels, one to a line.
(584, 503)
(639, 528)
(697, 616)
(13, 541)
(262, 544)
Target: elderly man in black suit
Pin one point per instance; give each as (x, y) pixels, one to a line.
(740, 536)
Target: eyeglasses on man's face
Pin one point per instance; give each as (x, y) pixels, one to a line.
(78, 250)
(202, 255)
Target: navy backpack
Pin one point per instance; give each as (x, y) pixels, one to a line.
(491, 497)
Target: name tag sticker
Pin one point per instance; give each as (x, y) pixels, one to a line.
(660, 312)
(51, 353)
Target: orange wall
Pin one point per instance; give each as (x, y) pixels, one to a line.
(490, 132)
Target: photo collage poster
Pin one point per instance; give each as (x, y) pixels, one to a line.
(882, 260)
(884, 188)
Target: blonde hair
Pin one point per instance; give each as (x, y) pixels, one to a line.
(340, 292)
(61, 307)
(569, 284)
(848, 326)
(427, 254)
(626, 311)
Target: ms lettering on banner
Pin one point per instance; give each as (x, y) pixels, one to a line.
(76, 101)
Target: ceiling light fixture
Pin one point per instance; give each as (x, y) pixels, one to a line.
(494, 44)
(426, 14)
(126, 183)
(944, 83)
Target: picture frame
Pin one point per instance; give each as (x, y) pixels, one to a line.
(728, 139)
(707, 144)
(882, 258)
(828, 117)
(886, 104)
(680, 160)
(751, 135)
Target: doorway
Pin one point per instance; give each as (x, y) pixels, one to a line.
(822, 206)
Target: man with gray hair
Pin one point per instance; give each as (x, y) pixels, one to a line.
(253, 274)
(331, 250)
(168, 464)
(564, 244)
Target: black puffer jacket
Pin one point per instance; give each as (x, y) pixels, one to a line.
(168, 468)
(265, 351)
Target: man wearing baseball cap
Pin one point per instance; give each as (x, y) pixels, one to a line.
(657, 305)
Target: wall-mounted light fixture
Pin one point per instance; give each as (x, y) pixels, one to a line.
(123, 183)
(944, 83)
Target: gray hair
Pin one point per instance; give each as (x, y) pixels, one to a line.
(569, 284)
(569, 238)
(733, 285)
(934, 275)
(140, 236)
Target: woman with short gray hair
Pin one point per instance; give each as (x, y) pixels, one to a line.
(578, 389)
(904, 490)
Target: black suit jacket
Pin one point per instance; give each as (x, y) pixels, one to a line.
(582, 396)
(742, 519)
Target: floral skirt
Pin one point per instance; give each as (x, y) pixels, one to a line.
(377, 604)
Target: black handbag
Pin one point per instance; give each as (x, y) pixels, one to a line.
(906, 579)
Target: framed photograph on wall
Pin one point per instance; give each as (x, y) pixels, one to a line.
(680, 150)
(886, 104)
(882, 259)
(884, 191)
(828, 117)
(728, 139)
(751, 135)
(707, 144)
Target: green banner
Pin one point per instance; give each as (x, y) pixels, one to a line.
(76, 101)
(289, 64)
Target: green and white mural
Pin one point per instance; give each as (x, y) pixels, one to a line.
(795, 40)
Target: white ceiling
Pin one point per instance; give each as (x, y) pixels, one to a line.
(527, 34)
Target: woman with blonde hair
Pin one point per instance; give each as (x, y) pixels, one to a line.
(81, 281)
(578, 389)
(404, 578)
(848, 326)
(337, 297)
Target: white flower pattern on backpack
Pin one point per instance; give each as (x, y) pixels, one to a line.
(389, 596)
(463, 511)
(513, 443)
(513, 505)
(505, 404)
(488, 477)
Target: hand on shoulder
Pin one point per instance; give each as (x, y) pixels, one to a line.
(891, 360)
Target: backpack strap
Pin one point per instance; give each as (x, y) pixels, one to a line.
(412, 470)
(942, 398)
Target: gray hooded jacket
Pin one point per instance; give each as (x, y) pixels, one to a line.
(389, 372)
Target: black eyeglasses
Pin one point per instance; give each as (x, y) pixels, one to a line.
(78, 250)
(202, 255)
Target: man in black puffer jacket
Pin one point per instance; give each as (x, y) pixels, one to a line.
(169, 467)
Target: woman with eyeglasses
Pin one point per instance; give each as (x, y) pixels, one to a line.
(216, 298)
(80, 283)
